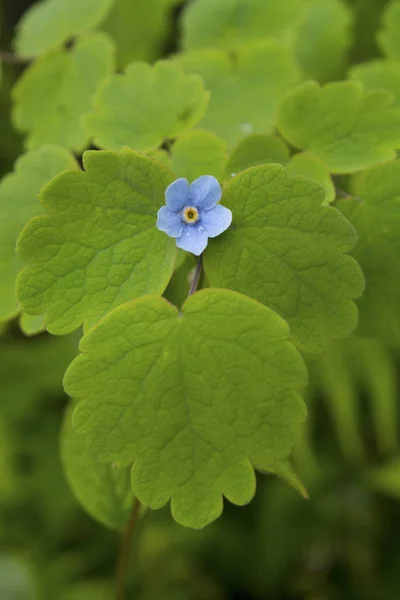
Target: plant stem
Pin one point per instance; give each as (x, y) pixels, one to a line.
(125, 551)
(196, 277)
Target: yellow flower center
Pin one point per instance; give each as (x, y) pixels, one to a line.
(190, 215)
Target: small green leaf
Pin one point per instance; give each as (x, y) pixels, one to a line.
(104, 491)
(18, 203)
(344, 125)
(52, 95)
(375, 213)
(379, 74)
(31, 324)
(98, 246)
(286, 249)
(389, 35)
(310, 166)
(197, 153)
(213, 396)
(51, 23)
(246, 87)
(145, 105)
(323, 39)
(256, 149)
(228, 23)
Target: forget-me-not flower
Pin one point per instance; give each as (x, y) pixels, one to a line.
(192, 214)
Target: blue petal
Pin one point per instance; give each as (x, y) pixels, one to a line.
(193, 239)
(177, 194)
(169, 221)
(205, 192)
(216, 220)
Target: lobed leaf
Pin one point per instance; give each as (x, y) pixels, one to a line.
(145, 105)
(263, 149)
(18, 203)
(307, 165)
(196, 153)
(138, 28)
(98, 245)
(246, 87)
(256, 149)
(50, 23)
(196, 399)
(104, 491)
(323, 39)
(344, 125)
(389, 35)
(229, 23)
(375, 213)
(286, 249)
(379, 74)
(54, 92)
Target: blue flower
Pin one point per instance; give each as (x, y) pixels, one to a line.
(192, 214)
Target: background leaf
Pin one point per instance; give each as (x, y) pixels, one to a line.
(50, 23)
(245, 87)
(348, 128)
(379, 74)
(145, 105)
(197, 153)
(190, 413)
(375, 213)
(18, 203)
(389, 35)
(54, 92)
(323, 39)
(98, 246)
(229, 23)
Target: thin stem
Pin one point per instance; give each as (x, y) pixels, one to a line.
(196, 276)
(125, 551)
(13, 59)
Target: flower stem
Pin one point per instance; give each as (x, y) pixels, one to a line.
(125, 551)
(196, 277)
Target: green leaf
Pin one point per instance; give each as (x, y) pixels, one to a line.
(197, 153)
(51, 23)
(98, 246)
(264, 149)
(310, 166)
(54, 92)
(145, 105)
(389, 35)
(228, 23)
(246, 88)
(213, 396)
(31, 324)
(256, 149)
(348, 128)
(18, 203)
(285, 249)
(138, 28)
(323, 39)
(375, 213)
(104, 491)
(379, 74)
